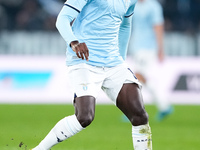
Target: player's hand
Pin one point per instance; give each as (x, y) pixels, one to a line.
(80, 49)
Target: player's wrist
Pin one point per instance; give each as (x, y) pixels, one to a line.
(74, 44)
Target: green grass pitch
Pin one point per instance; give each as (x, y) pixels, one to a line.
(23, 126)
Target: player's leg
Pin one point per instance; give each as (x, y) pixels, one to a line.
(84, 105)
(85, 109)
(148, 68)
(130, 102)
(160, 98)
(71, 125)
(123, 88)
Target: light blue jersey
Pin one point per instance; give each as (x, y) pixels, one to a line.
(147, 14)
(97, 24)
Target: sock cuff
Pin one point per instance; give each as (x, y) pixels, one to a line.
(73, 123)
(141, 130)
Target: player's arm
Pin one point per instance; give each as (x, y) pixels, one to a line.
(65, 17)
(125, 31)
(68, 13)
(159, 37)
(158, 20)
(124, 35)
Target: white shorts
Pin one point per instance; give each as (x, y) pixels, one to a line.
(145, 62)
(89, 80)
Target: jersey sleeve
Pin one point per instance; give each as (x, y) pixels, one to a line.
(124, 35)
(77, 5)
(69, 12)
(157, 13)
(130, 10)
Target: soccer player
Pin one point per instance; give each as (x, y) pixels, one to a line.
(146, 49)
(94, 63)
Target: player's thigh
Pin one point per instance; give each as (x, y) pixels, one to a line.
(130, 100)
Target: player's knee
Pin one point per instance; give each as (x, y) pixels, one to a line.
(140, 119)
(85, 120)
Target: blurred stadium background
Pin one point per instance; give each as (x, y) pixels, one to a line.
(32, 53)
(32, 71)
